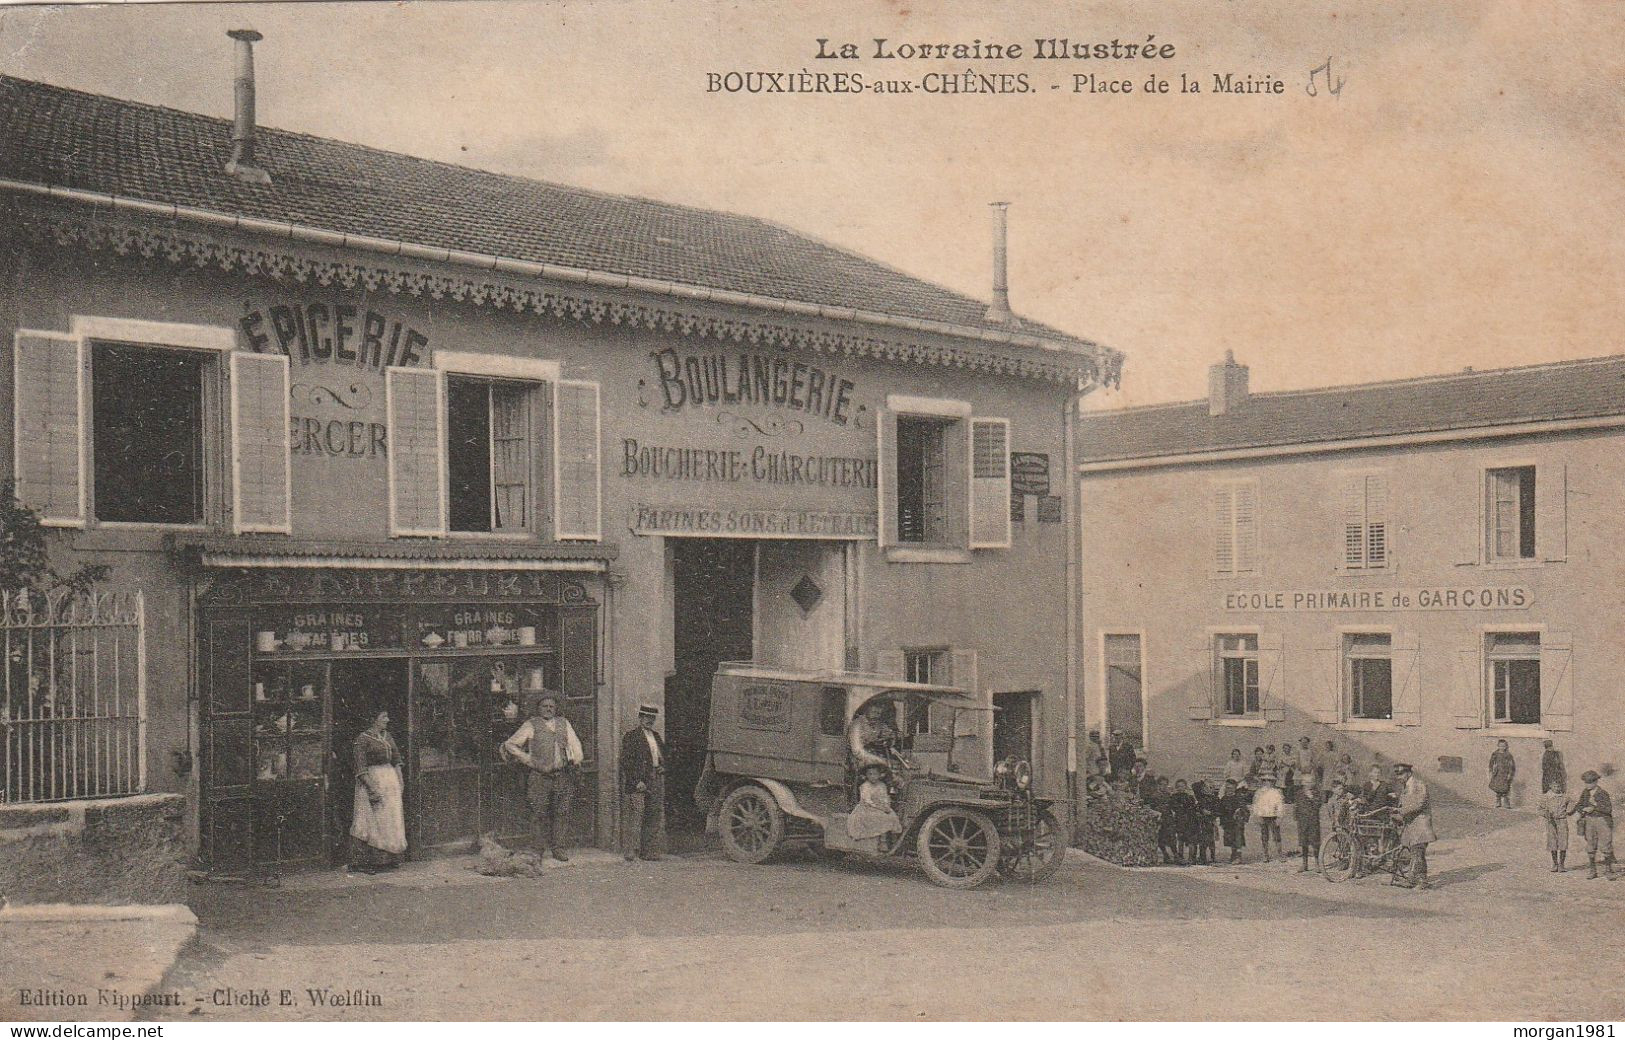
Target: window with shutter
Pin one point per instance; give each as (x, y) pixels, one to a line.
(577, 488)
(414, 400)
(489, 465)
(1512, 677)
(49, 428)
(1365, 521)
(1509, 513)
(147, 443)
(261, 467)
(990, 526)
(1235, 527)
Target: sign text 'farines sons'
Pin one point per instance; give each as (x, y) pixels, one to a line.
(1489, 597)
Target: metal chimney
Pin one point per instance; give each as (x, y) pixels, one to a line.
(999, 311)
(241, 164)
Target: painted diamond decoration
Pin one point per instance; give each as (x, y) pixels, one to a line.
(806, 594)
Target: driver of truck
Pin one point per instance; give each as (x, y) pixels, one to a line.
(871, 737)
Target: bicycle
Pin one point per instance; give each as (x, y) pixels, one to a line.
(1368, 842)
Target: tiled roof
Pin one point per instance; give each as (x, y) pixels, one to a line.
(70, 139)
(1462, 401)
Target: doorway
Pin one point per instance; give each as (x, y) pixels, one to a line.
(1125, 696)
(1013, 727)
(713, 587)
(361, 689)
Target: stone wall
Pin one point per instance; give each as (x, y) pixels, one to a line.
(116, 850)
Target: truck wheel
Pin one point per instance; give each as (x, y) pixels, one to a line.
(751, 824)
(1042, 857)
(958, 847)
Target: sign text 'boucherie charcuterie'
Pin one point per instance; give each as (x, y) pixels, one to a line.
(1486, 597)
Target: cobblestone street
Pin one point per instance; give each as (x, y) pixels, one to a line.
(699, 936)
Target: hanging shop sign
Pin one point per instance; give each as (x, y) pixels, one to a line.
(1029, 473)
(1494, 597)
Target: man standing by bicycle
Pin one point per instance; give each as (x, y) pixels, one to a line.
(1416, 822)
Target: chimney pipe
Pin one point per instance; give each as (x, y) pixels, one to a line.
(241, 164)
(999, 311)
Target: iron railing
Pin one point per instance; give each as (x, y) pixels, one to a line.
(75, 722)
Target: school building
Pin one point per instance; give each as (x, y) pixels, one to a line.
(1413, 569)
(370, 432)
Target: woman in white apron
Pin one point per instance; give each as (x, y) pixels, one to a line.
(378, 831)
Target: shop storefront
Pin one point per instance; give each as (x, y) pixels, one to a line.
(299, 662)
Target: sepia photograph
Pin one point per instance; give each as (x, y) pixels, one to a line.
(857, 510)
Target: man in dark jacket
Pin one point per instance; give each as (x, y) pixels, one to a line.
(643, 786)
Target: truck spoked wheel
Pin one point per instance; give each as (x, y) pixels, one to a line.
(751, 824)
(1039, 858)
(958, 848)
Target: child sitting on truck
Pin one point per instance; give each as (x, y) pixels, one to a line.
(872, 817)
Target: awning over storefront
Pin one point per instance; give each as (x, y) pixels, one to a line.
(219, 551)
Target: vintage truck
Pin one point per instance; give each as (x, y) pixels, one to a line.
(780, 773)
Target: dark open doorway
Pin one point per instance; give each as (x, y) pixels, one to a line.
(361, 689)
(713, 586)
(1013, 726)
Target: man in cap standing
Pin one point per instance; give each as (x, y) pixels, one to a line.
(1416, 822)
(1596, 809)
(548, 744)
(643, 785)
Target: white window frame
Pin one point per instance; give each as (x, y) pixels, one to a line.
(1486, 679)
(926, 407)
(1216, 680)
(1232, 483)
(1343, 479)
(1345, 693)
(1486, 554)
(215, 341)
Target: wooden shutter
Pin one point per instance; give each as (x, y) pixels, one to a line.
(1557, 681)
(965, 675)
(577, 473)
(261, 465)
(1407, 678)
(1552, 512)
(892, 664)
(1354, 544)
(1469, 688)
(1246, 528)
(50, 410)
(1272, 676)
(956, 488)
(990, 526)
(1199, 701)
(415, 400)
(886, 476)
(1327, 675)
(1467, 516)
(1376, 520)
(1224, 529)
